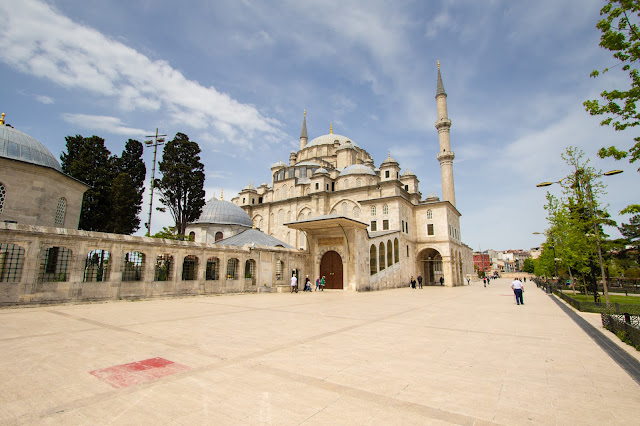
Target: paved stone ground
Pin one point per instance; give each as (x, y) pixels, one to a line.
(465, 355)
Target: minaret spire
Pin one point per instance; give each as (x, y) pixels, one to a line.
(303, 134)
(445, 155)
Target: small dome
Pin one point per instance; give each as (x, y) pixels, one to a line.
(389, 161)
(278, 164)
(357, 169)
(408, 173)
(249, 187)
(330, 139)
(346, 145)
(432, 197)
(19, 146)
(223, 213)
(321, 170)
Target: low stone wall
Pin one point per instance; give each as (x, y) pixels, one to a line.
(54, 265)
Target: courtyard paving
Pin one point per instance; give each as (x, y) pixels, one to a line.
(465, 355)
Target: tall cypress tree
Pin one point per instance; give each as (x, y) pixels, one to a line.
(182, 185)
(127, 196)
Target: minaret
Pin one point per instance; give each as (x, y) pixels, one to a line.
(445, 155)
(303, 134)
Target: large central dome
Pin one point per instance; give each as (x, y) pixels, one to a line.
(223, 213)
(19, 146)
(330, 139)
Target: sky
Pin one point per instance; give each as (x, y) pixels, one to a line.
(236, 76)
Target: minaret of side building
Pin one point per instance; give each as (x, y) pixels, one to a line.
(445, 155)
(303, 134)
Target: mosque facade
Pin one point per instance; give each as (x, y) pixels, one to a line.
(364, 227)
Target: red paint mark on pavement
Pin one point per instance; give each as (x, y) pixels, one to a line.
(121, 376)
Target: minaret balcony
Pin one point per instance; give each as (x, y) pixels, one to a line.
(443, 122)
(446, 156)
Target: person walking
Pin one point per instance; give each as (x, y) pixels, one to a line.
(317, 283)
(294, 284)
(307, 284)
(441, 280)
(412, 282)
(484, 280)
(419, 281)
(518, 288)
(323, 281)
(468, 281)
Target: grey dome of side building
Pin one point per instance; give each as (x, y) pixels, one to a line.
(19, 146)
(223, 212)
(357, 169)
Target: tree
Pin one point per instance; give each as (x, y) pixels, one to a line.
(182, 185)
(114, 201)
(528, 265)
(125, 206)
(89, 161)
(621, 36)
(127, 220)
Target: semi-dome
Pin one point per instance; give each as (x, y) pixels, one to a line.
(321, 171)
(19, 146)
(223, 213)
(357, 169)
(330, 139)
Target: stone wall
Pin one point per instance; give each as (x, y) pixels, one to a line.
(56, 265)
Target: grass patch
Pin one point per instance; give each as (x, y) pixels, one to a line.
(621, 300)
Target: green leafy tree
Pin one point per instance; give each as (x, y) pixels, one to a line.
(182, 185)
(127, 220)
(621, 36)
(528, 265)
(124, 206)
(89, 161)
(167, 233)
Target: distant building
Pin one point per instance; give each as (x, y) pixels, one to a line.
(481, 261)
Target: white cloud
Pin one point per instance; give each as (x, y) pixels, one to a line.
(44, 99)
(35, 39)
(100, 122)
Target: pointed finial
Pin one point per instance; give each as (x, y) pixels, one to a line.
(221, 192)
(438, 63)
(330, 128)
(2, 119)
(389, 152)
(303, 133)
(305, 112)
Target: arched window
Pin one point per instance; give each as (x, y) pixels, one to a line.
(373, 210)
(279, 270)
(292, 192)
(277, 197)
(381, 254)
(373, 259)
(346, 184)
(164, 267)
(11, 260)
(54, 266)
(284, 192)
(190, 268)
(232, 269)
(385, 209)
(61, 211)
(96, 266)
(344, 209)
(250, 268)
(280, 217)
(3, 195)
(396, 250)
(429, 214)
(133, 266)
(219, 236)
(356, 212)
(213, 270)
(358, 182)
(389, 253)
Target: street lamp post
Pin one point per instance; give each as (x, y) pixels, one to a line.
(157, 140)
(592, 213)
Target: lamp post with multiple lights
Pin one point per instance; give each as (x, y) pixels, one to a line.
(592, 213)
(157, 140)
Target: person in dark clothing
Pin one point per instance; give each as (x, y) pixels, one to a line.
(419, 281)
(441, 280)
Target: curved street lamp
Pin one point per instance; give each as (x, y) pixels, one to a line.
(592, 212)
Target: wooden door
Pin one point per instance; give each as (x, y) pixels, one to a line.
(331, 269)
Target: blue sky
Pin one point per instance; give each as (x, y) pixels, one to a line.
(236, 76)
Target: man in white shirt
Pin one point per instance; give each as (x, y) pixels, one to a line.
(518, 288)
(294, 284)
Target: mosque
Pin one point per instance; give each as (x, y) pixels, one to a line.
(329, 212)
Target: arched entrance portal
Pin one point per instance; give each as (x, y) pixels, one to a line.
(331, 269)
(430, 265)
